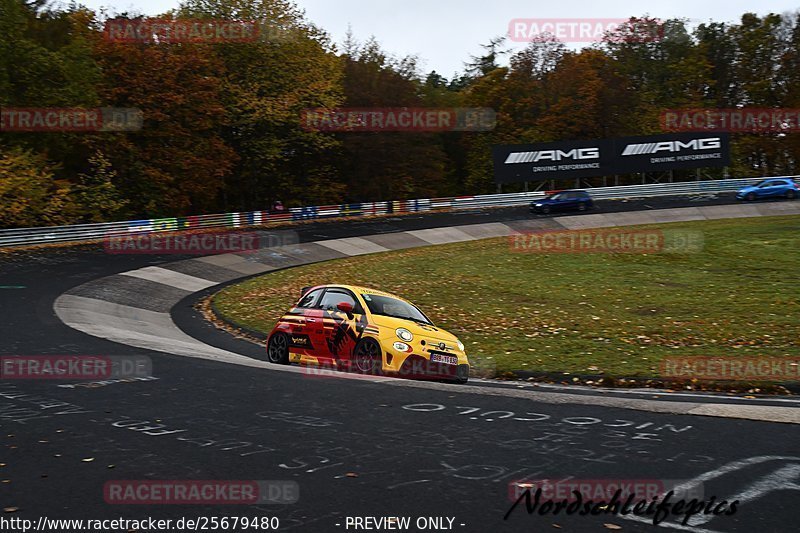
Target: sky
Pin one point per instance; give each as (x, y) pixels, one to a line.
(443, 34)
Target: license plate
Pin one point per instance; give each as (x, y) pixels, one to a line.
(446, 359)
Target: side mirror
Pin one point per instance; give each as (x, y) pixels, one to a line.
(345, 307)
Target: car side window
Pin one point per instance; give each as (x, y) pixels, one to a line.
(765, 184)
(309, 299)
(333, 297)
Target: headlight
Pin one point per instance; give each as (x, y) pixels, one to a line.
(538, 205)
(404, 334)
(460, 345)
(401, 347)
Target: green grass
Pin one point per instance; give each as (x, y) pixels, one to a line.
(619, 314)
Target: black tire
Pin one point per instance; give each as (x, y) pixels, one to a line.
(751, 196)
(791, 195)
(462, 374)
(278, 349)
(546, 209)
(367, 357)
(581, 207)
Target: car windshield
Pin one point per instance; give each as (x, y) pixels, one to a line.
(559, 196)
(387, 306)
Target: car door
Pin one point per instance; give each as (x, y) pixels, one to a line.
(767, 189)
(780, 188)
(570, 201)
(341, 329)
(559, 201)
(306, 335)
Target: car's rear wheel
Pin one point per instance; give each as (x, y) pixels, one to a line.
(791, 195)
(581, 207)
(278, 349)
(750, 196)
(367, 357)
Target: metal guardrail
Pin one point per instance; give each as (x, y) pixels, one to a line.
(90, 232)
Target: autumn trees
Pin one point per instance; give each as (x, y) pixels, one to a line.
(222, 121)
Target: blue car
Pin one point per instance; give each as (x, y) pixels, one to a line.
(563, 201)
(770, 188)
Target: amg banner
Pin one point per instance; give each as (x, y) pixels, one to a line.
(584, 159)
(654, 153)
(555, 160)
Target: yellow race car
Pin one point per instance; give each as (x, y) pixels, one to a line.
(366, 331)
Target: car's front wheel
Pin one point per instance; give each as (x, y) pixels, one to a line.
(278, 349)
(751, 196)
(462, 374)
(546, 209)
(367, 357)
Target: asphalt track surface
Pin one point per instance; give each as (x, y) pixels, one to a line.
(355, 448)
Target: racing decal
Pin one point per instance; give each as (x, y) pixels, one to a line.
(380, 293)
(345, 333)
(300, 341)
(363, 326)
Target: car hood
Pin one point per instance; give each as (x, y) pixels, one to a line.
(418, 330)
